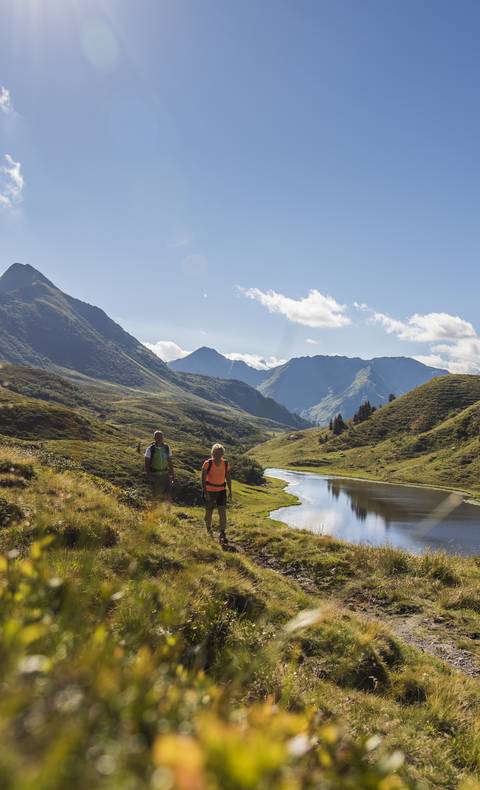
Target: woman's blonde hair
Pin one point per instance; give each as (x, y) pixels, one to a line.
(217, 447)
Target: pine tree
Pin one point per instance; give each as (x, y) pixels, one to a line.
(365, 410)
(391, 397)
(339, 425)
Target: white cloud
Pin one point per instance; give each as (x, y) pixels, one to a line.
(311, 341)
(426, 328)
(167, 350)
(11, 183)
(453, 342)
(462, 356)
(5, 101)
(314, 310)
(433, 360)
(256, 361)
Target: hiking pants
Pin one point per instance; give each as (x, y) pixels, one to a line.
(216, 499)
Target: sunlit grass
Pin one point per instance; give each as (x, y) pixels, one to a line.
(160, 655)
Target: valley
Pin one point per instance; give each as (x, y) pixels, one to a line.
(311, 659)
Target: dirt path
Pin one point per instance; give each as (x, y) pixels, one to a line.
(423, 634)
(416, 630)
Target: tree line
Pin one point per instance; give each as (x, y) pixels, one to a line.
(337, 425)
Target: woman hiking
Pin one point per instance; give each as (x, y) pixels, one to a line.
(216, 479)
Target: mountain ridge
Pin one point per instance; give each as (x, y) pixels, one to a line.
(43, 327)
(218, 365)
(319, 387)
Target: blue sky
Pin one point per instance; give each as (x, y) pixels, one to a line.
(268, 178)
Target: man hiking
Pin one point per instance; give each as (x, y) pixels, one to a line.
(216, 479)
(159, 468)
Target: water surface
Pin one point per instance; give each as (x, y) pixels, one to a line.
(380, 514)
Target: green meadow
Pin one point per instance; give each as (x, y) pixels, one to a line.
(136, 653)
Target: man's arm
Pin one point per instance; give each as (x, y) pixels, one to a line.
(148, 460)
(204, 480)
(228, 478)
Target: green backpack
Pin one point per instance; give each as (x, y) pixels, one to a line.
(159, 456)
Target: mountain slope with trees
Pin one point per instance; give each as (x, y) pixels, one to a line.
(430, 435)
(319, 387)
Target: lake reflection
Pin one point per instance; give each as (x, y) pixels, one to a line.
(362, 511)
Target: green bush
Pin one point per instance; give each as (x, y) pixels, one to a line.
(247, 470)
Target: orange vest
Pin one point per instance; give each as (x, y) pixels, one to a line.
(216, 479)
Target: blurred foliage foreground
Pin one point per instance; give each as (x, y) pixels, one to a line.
(135, 654)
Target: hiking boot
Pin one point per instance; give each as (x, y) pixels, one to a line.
(223, 540)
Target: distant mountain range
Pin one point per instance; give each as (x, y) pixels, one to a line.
(319, 387)
(42, 327)
(208, 362)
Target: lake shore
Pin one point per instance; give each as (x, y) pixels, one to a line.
(327, 472)
(413, 518)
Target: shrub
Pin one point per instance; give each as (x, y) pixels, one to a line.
(17, 468)
(9, 513)
(394, 561)
(187, 489)
(82, 535)
(410, 690)
(467, 599)
(441, 568)
(247, 470)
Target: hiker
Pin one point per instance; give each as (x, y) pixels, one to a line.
(216, 479)
(159, 468)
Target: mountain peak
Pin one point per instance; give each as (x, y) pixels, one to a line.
(21, 275)
(206, 350)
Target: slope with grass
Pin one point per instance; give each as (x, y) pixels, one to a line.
(430, 435)
(98, 426)
(43, 327)
(136, 654)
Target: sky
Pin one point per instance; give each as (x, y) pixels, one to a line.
(271, 179)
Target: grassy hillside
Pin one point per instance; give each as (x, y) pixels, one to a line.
(237, 393)
(98, 425)
(136, 654)
(430, 435)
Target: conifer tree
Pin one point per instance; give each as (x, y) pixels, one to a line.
(339, 425)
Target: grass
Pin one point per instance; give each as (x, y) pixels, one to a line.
(98, 426)
(136, 653)
(429, 436)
